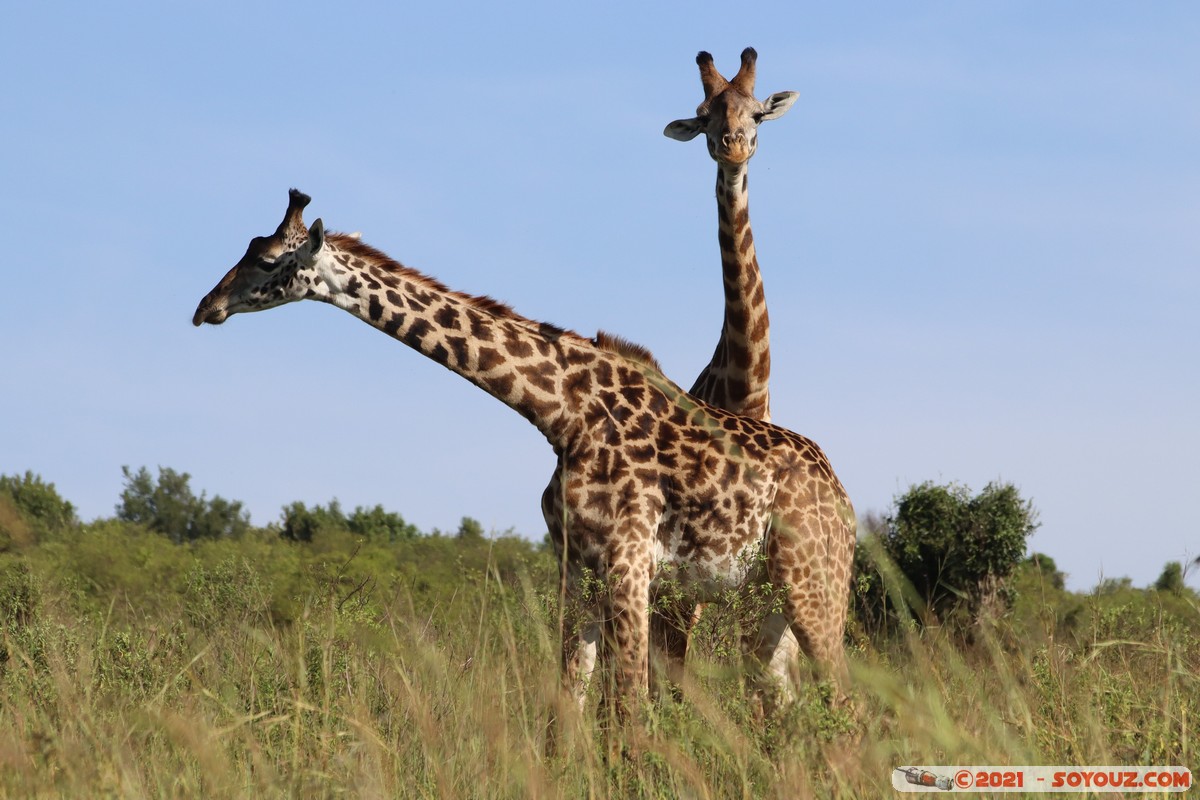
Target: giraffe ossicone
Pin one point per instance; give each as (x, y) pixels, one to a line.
(651, 476)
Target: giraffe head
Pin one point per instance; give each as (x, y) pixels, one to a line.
(272, 271)
(729, 115)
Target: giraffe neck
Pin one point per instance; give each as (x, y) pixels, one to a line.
(518, 361)
(736, 379)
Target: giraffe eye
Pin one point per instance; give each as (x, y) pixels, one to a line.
(266, 265)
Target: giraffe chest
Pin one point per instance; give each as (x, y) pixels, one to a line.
(712, 543)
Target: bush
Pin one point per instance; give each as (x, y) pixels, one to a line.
(169, 507)
(28, 507)
(302, 524)
(18, 595)
(953, 551)
(230, 592)
(14, 531)
(1171, 579)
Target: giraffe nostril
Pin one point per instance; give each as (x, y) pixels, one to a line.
(733, 137)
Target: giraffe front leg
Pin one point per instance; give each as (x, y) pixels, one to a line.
(580, 646)
(580, 633)
(580, 630)
(580, 614)
(627, 635)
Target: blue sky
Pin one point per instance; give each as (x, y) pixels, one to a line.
(977, 228)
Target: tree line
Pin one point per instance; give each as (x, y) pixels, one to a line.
(942, 555)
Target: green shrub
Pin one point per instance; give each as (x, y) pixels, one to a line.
(169, 507)
(18, 593)
(231, 592)
(957, 551)
(15, 533)
(38, 507)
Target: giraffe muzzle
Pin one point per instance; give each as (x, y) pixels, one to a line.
(206, 313)
(735, 147)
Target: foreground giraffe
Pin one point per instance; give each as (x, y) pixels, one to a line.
(737, 377)
(651, 476)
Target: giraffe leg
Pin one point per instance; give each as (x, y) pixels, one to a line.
(580, 647)
(814, 611)
(669, 628)
(581, 633)
(775, 649)
(627, 629)
(581, 644)
(581, 626)
(826, 649)
(819, 628)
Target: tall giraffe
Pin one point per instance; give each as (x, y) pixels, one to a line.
(651, 476)
(737, 376)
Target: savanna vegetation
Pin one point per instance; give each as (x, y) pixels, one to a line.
(176, 650)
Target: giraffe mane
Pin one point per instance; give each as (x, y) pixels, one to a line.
(625, 348)
(350, 243)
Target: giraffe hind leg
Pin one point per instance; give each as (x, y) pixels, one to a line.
(819, 631)
(772, 651)
(670, 625)
(809, 625)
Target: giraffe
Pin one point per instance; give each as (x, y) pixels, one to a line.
(737, 376)
(650, 475)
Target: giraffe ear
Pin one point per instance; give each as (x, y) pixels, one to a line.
(316, 237)
(684, 130)
(777, 105)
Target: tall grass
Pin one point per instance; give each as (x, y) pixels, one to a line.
(367, 696)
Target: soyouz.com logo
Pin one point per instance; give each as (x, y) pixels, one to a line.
(1041, 779)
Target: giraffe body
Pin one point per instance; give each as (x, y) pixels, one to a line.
(650, 476)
